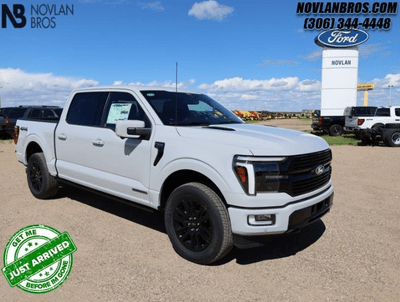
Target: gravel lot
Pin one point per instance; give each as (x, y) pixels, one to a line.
(123, 254)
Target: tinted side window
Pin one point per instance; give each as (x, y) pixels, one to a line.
(123, 106)
(397, 111)
(17, 113)
(86, 108)
(47, 113)
(383, 112)
(58, 112)
(35, 113)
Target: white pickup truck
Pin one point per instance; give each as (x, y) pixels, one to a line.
(365, 126)
(218, 180)
(382, 116)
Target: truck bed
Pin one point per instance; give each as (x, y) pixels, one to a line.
(28, 133)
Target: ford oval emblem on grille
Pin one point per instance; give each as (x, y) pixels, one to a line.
(319, 170)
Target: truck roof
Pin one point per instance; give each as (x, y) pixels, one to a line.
(134, 88)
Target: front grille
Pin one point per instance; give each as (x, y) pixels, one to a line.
(309, 161)
(310, 184)
(296, 175)
(301, 172)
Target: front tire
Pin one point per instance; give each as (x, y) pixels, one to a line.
(40, 182)
(198, 224)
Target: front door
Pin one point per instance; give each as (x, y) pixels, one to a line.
(91, 154)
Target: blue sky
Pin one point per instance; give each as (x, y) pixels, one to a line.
(249, 55)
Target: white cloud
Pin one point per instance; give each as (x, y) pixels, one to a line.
(275, 94)
(284, 94)
(389, 79)
(240, 84)
(315, 55)
(22, 88)
(155, 5)
(210, 10)
(278, 62)
(166, 84)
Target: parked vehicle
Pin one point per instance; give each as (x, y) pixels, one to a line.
(218, 180)
(352, 113)
(4, 111)
(389, 134)
(383, 116)
(332, 125)
(30, 112)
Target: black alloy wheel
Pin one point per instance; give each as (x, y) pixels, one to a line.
(192, 225)
(198, 224)
(41, 184)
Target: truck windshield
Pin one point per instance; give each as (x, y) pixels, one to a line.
(188, 109)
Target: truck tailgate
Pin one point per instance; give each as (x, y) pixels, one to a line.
(351, 123)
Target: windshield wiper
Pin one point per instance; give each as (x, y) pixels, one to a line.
(230, 122)
(193, 124)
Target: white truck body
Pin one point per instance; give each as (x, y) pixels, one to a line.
(383, 116)
(130, 167)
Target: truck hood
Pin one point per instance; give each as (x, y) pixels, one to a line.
(260, 140)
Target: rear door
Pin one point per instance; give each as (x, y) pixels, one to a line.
(90, 153)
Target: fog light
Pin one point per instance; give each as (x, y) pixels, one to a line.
(263, 219)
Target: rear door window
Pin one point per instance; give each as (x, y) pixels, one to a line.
(86, 108)
(35, 113)
(383, 112)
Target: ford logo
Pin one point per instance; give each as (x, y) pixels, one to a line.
(341, 38)
(319, 170)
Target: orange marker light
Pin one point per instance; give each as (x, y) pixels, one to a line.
(242, 174)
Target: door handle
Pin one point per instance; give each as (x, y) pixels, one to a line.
(62, 136)
(97, 142)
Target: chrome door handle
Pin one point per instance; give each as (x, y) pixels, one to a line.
(97, 142)
(62, 137)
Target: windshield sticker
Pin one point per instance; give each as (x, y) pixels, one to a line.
(150, 94)
(118, 112)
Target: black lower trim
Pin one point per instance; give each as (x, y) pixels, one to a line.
(128, 202)
(301, 218)
(297, 220)
(285, 205)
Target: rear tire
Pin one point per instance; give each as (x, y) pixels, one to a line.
(391, 138)
(335, 130)
(40, 182)
(198, 224)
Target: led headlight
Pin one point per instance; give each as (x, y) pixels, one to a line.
(259, 174)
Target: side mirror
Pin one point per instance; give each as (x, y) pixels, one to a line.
(132, 129)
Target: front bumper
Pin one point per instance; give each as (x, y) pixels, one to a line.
(290, 217)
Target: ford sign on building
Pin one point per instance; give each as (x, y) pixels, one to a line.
(341, 38)
(339, 69)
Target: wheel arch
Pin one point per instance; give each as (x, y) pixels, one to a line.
(182, 177)
(32, 148)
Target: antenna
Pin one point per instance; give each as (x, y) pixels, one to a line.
(176, 79)
(176, 96)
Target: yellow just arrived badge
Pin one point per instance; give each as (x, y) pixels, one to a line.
(38, 259)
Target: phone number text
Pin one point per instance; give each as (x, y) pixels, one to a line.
(347, 23)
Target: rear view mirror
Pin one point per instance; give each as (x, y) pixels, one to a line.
(132, 129)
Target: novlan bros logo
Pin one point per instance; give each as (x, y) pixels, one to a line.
(42, 15)
(18, 11)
